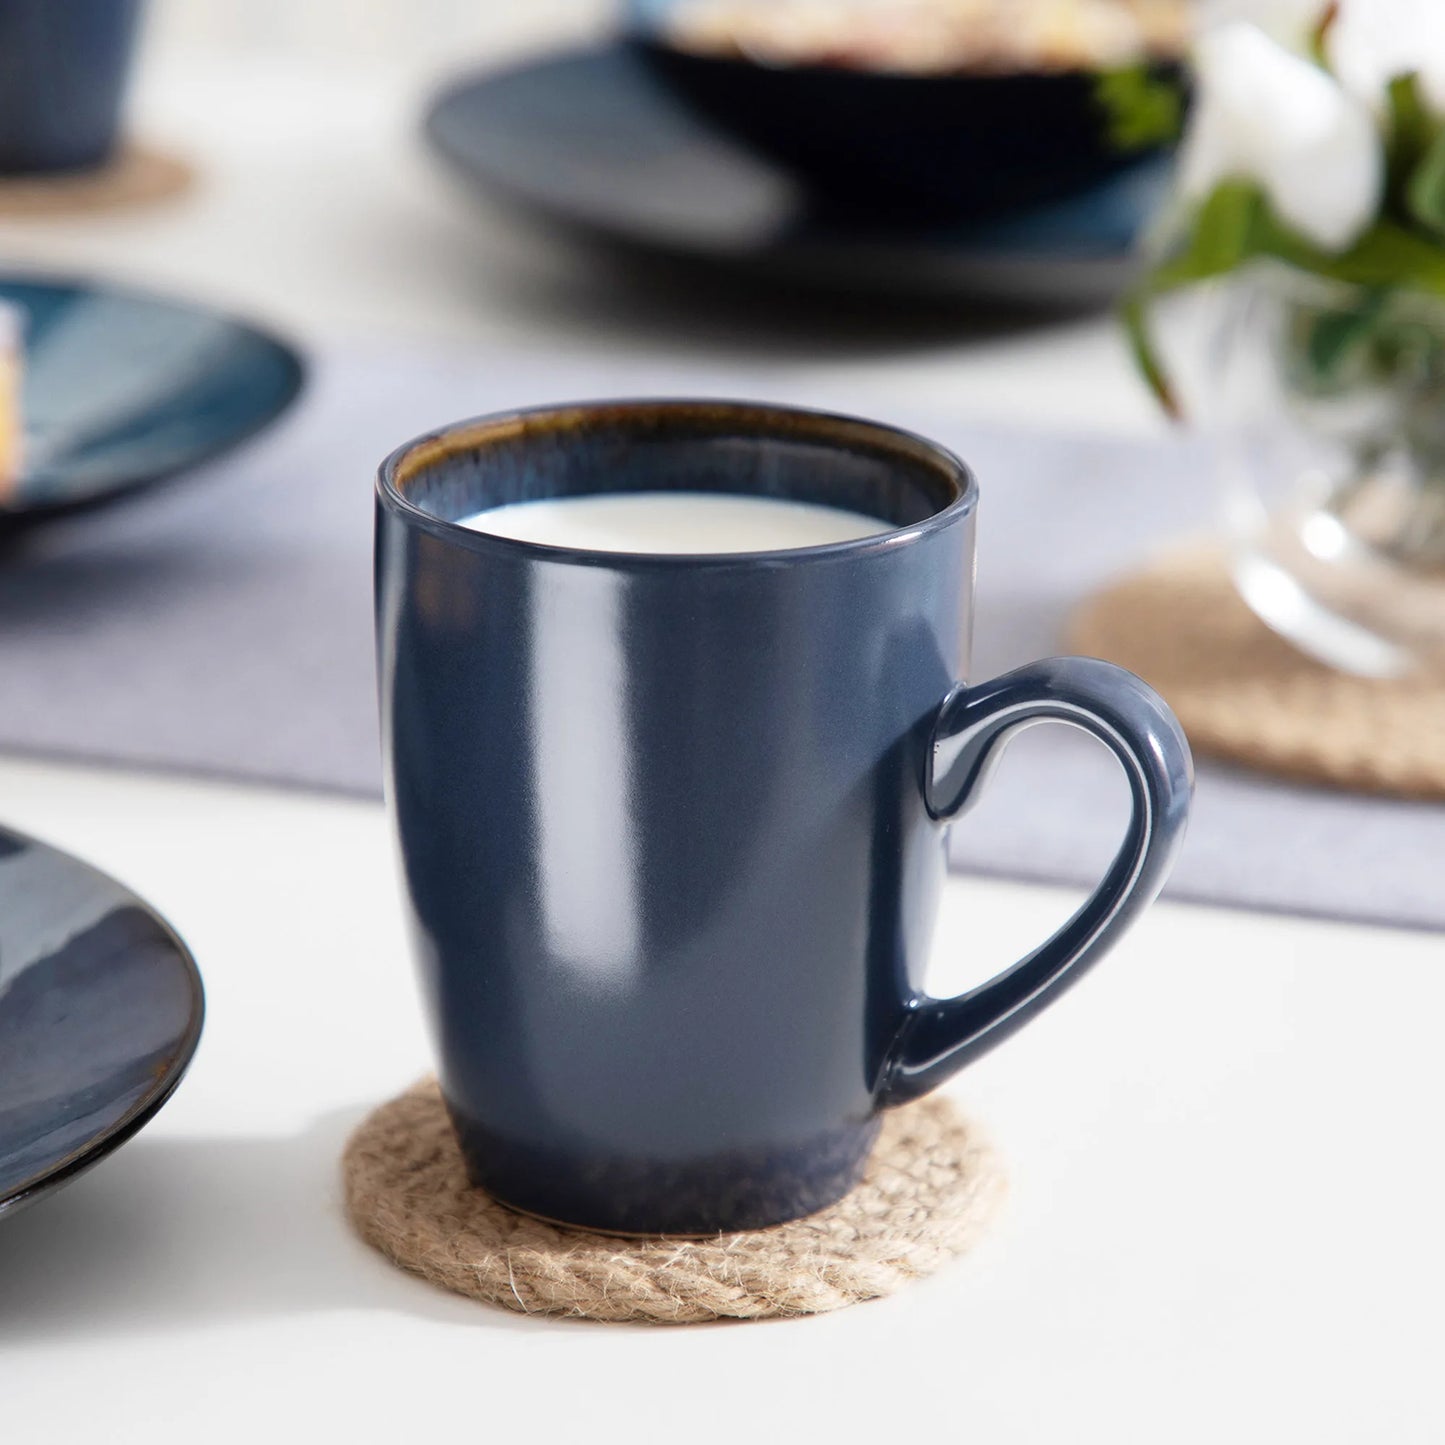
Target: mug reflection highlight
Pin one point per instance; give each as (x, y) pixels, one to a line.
(672, 827)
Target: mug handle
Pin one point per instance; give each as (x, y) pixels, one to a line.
(939, 1036)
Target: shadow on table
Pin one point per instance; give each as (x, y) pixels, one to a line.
(636, 299)
(660, 298)
(180, 1233)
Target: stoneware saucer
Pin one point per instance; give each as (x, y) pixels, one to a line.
(122, 388)
(100, 1012)
(596, 142)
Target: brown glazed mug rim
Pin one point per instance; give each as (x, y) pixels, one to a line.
(761, 419)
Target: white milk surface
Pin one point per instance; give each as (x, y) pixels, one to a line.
(676, 522)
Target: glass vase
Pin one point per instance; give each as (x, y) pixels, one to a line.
(1328, 405)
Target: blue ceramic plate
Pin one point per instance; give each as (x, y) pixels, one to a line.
(123, 389)
(594, 141)
(100, 1012)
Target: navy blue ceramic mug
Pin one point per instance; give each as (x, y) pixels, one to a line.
(672, 827)
(63, 71)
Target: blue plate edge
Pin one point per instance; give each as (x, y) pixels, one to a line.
(451, 88)
(298, 367)
(85, 1156)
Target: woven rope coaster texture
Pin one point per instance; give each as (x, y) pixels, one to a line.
(1246, 695)
(137, 177)
(930, 1189)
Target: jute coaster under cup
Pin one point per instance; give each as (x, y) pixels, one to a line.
(138, 176)
(929, 1191)
(1245, 695)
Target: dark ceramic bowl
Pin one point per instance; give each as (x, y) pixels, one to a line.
(888, 146)
(63, 70)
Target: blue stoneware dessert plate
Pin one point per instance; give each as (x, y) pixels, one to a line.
(595, 141)
(100, 1012)
(122, 388)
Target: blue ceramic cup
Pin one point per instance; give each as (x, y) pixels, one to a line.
(672, 827)
(63, 69)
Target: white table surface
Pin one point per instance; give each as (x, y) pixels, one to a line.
(1227, 1191)
(1227, 1182)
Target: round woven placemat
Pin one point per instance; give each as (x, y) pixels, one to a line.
(1246, 695)
(138, 176)
(929, 1190)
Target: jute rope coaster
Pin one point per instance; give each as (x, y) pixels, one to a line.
(138, 176)
(1244, 694)
(929, 1191)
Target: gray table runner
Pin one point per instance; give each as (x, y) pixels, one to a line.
(223, 626)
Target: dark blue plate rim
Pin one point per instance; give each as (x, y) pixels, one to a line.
(928, 240)
(70, 1166)
(297, 378)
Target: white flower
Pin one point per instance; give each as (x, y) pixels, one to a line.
(1374, 41)
(1266, 115)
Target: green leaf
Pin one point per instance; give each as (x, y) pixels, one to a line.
(1134, 315)
(1410, 127)
(1425, 190)
(1372, 339)
(1386, 255)
(1410, 132)
(1235, 226)
(1333, 334)
(1228, 230)
(1142, 108)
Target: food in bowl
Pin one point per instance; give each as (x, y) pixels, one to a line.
(932, 37)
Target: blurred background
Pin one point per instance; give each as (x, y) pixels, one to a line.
(316, 204)
(403, 38)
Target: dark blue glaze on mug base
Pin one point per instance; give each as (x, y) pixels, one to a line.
(744, 1189)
